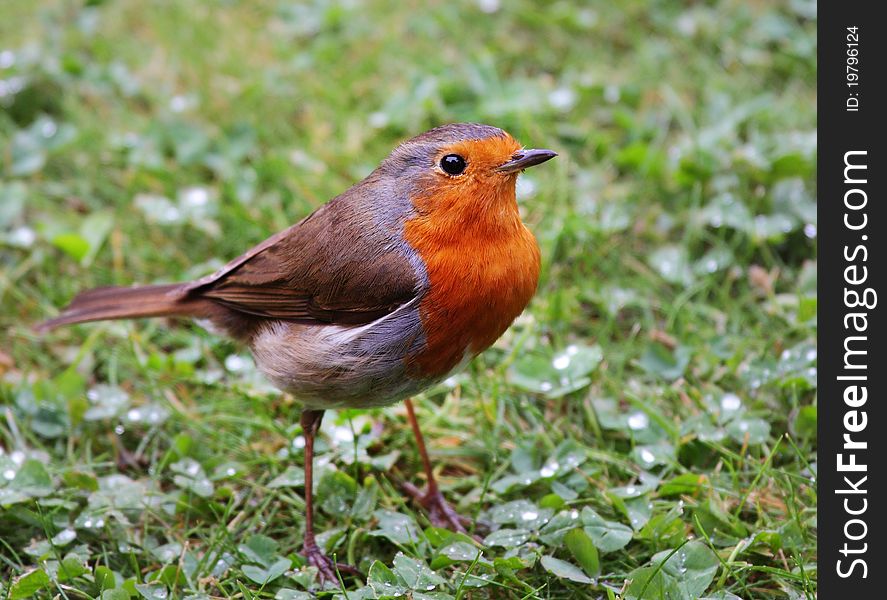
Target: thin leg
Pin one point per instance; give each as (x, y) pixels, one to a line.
(440, 513)
(325, 566)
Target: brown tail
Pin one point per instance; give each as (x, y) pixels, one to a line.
(124, 303)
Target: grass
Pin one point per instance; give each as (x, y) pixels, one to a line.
(645, 430)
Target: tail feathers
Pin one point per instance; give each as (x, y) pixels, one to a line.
(124, 303)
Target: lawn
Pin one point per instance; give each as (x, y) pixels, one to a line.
(645, 430)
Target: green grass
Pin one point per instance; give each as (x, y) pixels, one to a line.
(645, 430)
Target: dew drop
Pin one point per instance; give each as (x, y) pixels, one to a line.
(561, 362)
(529, 515)
(647, 456)
(546, 386)
(549, 469)
(9, 474)
(730, 403)
(638, 420)
(120, 430)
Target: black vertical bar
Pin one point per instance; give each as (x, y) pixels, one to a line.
(851, 257)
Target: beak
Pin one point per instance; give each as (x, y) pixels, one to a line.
(522, 159)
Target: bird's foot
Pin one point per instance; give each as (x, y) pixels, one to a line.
(326, 567)
(440, 513)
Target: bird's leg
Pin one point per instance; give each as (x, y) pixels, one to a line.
(440, 513)
(325, 566)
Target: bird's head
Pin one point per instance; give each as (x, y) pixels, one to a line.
(462, 171)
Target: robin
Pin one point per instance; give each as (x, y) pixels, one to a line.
(378, 294)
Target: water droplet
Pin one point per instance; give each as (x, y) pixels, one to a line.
(64, 536)
(378, 120)
(810, 230)
(574, 514)
(638, 420)
(192, 469)
(561, 362)
(87, 523)
(743, 426)
(18, 457)
(178, 103)
(230, 471)
(549, 469)
(23, 237)
(9, 474)
(488, 6)
(730, 403)
(299, 442)
(235, 363)
(48, 129)
(343, 434)
(572, 350)
(546, 386)
(612, 94)
(100, 523)
(134, 414)
(562, 99)
(195, 196)
(647, 456)
(811, 354)
(631, 490)
(7, 59)
(119, 430)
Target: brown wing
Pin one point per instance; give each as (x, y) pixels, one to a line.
(332, 267)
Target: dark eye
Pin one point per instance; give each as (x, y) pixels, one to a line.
(453, 164)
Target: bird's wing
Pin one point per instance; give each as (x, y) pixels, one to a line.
(332, 267)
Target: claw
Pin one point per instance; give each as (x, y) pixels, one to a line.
(440, 513)
(326, 568)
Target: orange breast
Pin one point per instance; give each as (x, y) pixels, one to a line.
(483, 268)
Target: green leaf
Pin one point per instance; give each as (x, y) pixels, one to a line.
(584, 551)
(152, 591)
(105, 578)
(693, 567)
(507, 538)
(289, 594)
(72, 244)
(293, 476)
(396, 527)
(384, 581)
(754, 430)
(29, 584)
(564, 570)
(668, 364)
(115, 594)
(70, 567)
(650, 583)
(416, 574)
(260, 549)
(687, 483)
(337, 491)
(264, 576)
(608, 536)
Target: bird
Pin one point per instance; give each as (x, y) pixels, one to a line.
(378, 294)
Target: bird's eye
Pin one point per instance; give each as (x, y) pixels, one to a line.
(453, 164)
